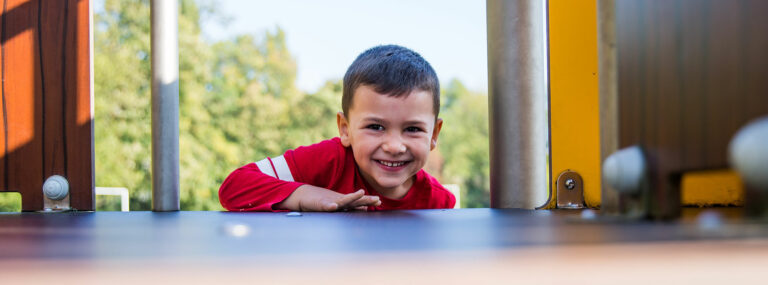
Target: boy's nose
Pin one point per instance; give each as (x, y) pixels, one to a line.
(394, 146)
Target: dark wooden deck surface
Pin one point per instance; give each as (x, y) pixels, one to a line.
(89, 244)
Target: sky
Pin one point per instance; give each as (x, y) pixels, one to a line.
(325, 36)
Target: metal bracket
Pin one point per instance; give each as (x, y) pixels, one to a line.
(570, 190)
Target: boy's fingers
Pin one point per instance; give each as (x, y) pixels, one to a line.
(318, 206)
(345, 200)
(366, 201)
(362, 208)
(330, 207)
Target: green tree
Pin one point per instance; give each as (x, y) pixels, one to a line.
(464, 143)
(122, 96)
(10, 202)
(238, 103)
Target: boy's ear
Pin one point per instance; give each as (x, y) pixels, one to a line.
(343, 124)
(435, 132)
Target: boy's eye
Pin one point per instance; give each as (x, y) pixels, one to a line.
(413, 129)
(375, 127)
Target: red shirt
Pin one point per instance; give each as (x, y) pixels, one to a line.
(258, 186)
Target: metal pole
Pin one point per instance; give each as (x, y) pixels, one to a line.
(165, 105)
(518, 99)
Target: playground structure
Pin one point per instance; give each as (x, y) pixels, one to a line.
(661, 87)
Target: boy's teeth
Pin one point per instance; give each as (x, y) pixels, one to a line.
(391, 164)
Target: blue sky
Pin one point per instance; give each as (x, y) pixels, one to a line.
(326, 35)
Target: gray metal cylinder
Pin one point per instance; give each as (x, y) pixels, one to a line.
(625, 170)
(165, 105)
(518, 99)
(748, 154)
(56, 187)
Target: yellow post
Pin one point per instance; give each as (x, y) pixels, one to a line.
(574, 117)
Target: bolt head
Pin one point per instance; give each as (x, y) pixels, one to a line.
(56, 187)
(570, 184)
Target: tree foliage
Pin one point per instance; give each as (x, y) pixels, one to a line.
(238, 102)
(464, 143)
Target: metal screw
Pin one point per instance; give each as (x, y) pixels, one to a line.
(570, 184)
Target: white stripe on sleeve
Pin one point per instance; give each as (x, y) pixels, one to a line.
(282, 169)
(265, 167)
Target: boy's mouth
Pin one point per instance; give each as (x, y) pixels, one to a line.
(392, 164)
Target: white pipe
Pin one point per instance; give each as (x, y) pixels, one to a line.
(116, 191)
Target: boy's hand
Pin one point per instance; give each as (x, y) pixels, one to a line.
(316, 199)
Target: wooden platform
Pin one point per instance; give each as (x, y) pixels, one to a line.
(443, 246)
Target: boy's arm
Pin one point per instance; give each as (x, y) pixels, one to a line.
(286, 182)
(249, 189)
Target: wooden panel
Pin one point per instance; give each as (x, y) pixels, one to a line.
(690, 73)
(46, 93)
(607, 85)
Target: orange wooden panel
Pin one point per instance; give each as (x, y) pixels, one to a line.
(46, 126)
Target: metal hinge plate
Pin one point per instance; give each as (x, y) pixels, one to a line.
(570, 191)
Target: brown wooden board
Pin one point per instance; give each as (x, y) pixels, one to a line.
(690, 74)
(46, 113)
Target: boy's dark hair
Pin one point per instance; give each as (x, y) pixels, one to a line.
(391, 70)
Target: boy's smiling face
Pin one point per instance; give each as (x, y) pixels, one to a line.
(390, 137)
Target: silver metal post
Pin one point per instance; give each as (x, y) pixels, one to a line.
(165, 105)
(518, 96)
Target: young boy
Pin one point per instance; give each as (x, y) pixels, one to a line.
(389, 124)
